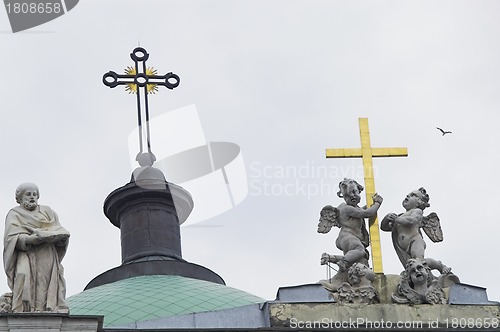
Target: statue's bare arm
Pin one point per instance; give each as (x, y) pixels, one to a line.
(388, 221)
(357, 212)
(412, 218)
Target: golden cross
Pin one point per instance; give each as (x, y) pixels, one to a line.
(366, 152)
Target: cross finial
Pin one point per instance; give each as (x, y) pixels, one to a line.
(138, 78)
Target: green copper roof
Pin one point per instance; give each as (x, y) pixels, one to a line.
(150, 297)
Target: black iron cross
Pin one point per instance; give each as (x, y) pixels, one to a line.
(142, 79)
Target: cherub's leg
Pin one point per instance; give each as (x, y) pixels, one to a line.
(327, 258)
(417, 249)
(355, 252)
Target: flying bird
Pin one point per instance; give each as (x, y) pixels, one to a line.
(443, 131)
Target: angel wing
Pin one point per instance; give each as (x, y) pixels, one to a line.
(432, 227)
(328, 217)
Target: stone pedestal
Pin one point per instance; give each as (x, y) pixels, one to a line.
(33, 322)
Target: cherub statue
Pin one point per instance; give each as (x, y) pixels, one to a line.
(406, 235)
(359, 287)
(353, 238)
(418, 285)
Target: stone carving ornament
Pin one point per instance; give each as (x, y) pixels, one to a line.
(418, 285)
(358, 288)
(34, 246)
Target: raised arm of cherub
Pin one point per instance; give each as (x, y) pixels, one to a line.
(357, 212)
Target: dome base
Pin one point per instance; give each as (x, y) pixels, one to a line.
(156, 267)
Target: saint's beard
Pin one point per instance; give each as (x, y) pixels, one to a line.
(30, 206)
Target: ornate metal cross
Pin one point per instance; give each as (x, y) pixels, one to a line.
(366, 153)
(139, 78)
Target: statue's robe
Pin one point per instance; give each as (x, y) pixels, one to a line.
(403, 253)
(34, 272)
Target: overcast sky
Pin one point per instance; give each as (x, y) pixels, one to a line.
(284, 80)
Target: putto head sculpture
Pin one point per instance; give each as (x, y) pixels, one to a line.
(418, 285)
(358, 288)
(418, 272)
(360, 275)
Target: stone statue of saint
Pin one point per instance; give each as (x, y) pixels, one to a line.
(353, 238)
(34, 246)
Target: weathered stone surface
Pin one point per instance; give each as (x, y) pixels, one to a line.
(50, 323)
(333, 315)
(386, 285)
